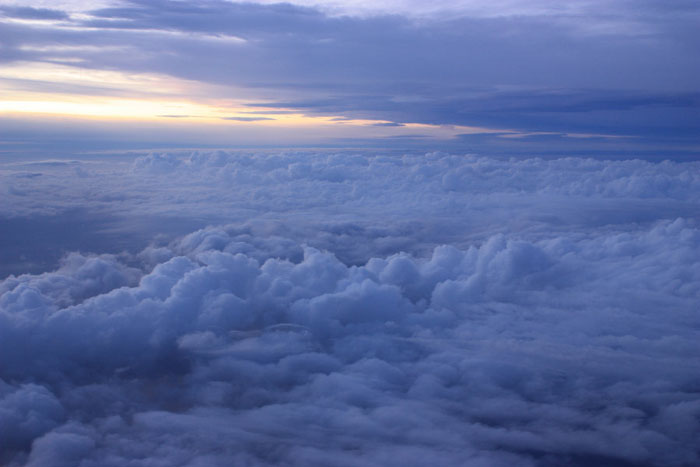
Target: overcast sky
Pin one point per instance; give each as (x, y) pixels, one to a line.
(588, 76)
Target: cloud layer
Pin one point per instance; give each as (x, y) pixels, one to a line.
(529, 337)
(355, 205)
(624, 69)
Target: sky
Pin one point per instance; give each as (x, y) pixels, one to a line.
(583, 77)
(358, 234)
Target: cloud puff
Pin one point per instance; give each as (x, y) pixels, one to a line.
(565, 350)
(355, 205)
(355, 309)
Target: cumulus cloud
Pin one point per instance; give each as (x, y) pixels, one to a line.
(298, 337)
(354, 204)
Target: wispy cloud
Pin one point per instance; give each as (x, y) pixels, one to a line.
(388, 124)
(247, 119)
(25, 12)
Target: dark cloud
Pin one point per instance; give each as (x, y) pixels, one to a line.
(531, 73)
(211, 17)
(388, 124)
(567, 111)
(22, 12)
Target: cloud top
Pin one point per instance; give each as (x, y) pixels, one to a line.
(572, 345)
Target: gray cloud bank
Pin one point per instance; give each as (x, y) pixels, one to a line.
(360, 310)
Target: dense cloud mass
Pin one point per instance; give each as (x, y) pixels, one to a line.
(356, 309)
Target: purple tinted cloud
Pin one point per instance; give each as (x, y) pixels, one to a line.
(533, 73)
(358, 308)
(247, 119)
(22, 12)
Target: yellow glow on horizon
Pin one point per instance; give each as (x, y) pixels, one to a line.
(112, 108)
(176, 113)
(145, 109)
(60, 90)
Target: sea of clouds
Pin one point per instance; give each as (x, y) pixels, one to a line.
(357, 309)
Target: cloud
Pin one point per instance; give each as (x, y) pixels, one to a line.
(356, 205)
(388, 124)
(465, 354)
(27, 411)
(342, 307)
(247, 119)
(177, 116)
(361, 309)
(531, 69)
(23, 12)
